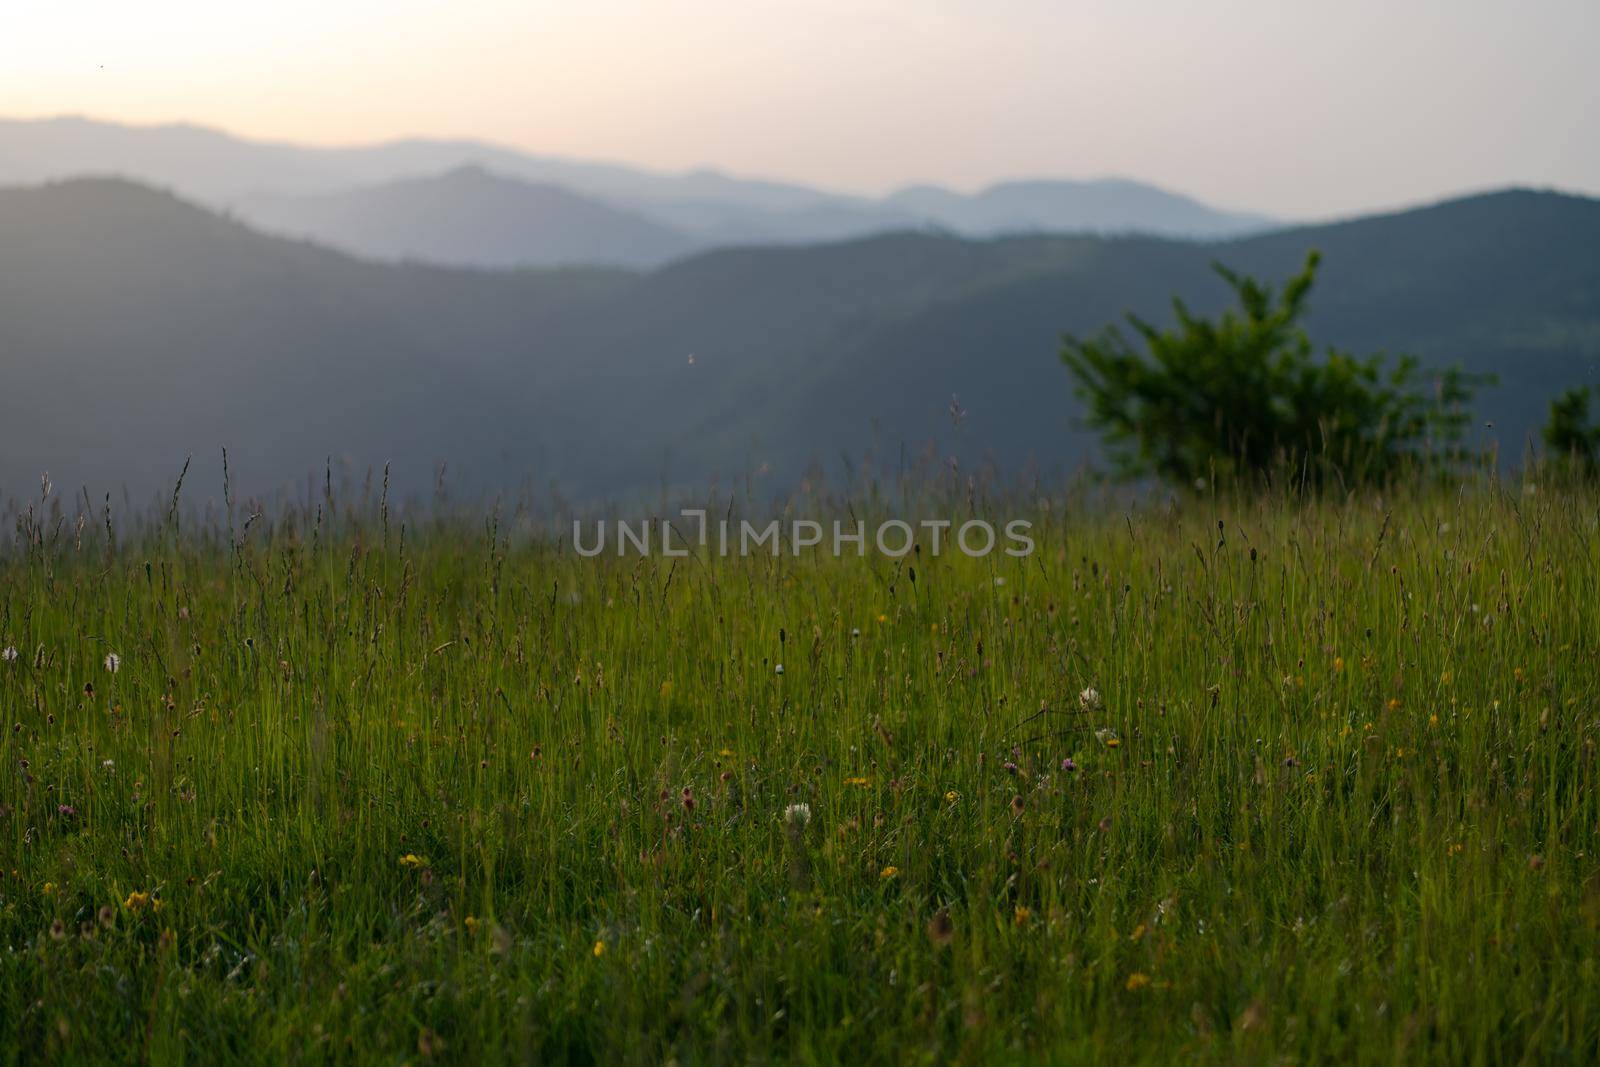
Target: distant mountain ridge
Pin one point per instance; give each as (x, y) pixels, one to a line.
(469, 217)
(136, 328)
(336, 195)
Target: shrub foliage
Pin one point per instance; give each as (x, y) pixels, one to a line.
(1248, 395)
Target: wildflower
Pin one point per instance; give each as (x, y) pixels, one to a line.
(1394, 703)
(48, 889)
(471, 923)
(1010, 768)
(999, 581)
(725, 752)
(10, 654)
(66, 811)
(1519, 674)
(1138, 932)
(951, 796)
(858, 781)
(136, 901)
(411, 859)
(113, 662)
(797, 814)
(889, 872)
(1338, 664)
(1068, 765)
(1137, 981)
(599, 949)
(1021, 916)
(855, 631)
(1089, 699)
(1113, 742)
(883, 618)
(780, 669)
(1433, 720)
(666, 688)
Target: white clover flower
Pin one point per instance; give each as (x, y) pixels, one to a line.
(10, 654)
(113, 662)
(1089, 699)
(779, 669)
(797, 814)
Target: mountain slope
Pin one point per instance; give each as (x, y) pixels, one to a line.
(469, 218)
(135, 328)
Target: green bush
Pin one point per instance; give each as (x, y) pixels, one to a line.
(1246, 396)
(1569, 435)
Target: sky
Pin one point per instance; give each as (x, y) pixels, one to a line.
(1299, 108)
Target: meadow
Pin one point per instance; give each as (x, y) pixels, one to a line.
(1213, 777)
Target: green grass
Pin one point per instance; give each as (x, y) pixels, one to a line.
(1349, 814)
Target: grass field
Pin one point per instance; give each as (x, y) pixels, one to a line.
(1230, 780)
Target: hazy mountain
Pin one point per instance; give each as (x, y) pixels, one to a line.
(1105, 207)
(708, 207)
(135, 328)
(469, 217)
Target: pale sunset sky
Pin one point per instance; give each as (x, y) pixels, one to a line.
(1301, 108)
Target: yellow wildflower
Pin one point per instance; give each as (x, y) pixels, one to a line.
(1137, 981)
(1021, 916)
(858, 781)
(411, 859)
(471, 923)
(951, 797)
(48, 889)
(599, 949)
(136, 901)
(889, 872)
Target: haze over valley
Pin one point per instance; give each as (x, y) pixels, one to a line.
(138, 327)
